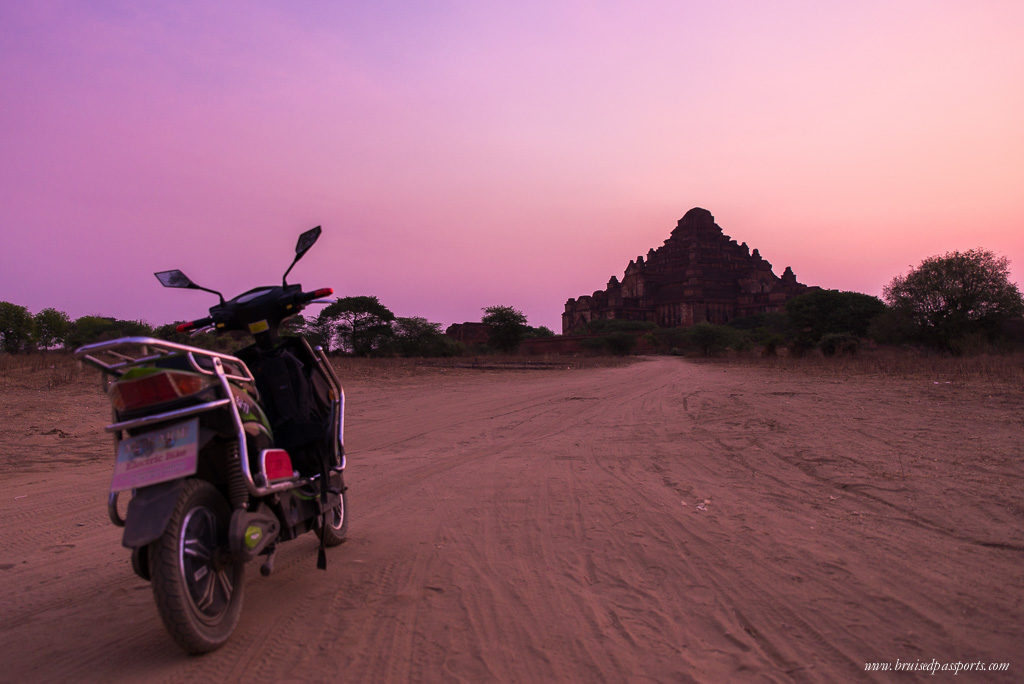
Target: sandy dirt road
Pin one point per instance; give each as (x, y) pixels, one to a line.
(663, 521)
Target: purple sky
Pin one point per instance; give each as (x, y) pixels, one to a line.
(465, 154)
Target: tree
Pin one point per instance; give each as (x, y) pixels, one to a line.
(419, 337)
(507, 327)
(541, 331)
(15, 328)
(319, 331)
(89, 329)
(951, 297)
(415, 336)
(813, 315)
(51, 328)
(362, 324)
(294, 326)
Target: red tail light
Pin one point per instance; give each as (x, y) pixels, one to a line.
(277, 465)
(156, 388)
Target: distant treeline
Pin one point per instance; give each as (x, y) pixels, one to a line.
(961, 302)
(359, 326)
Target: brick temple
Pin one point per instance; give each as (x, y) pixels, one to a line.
(699, 274)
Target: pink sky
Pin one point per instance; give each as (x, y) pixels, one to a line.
(465, 154)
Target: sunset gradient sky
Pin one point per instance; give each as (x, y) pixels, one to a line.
(465, 154)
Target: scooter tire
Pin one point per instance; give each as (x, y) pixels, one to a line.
(336, 530)
(197, 584)
(140, 562)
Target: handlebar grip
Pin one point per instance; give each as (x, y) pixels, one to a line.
(307, 297)
(192, 325)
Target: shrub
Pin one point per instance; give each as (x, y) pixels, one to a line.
(669, 338)
(815, 314)
(839, 343)
(593, 344)
(710, 339)
(620, 343)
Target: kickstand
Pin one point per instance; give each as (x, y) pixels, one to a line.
(321, 556)
(268, 565)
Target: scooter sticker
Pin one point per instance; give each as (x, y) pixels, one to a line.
(158, 456)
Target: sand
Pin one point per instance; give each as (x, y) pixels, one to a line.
(662, 521)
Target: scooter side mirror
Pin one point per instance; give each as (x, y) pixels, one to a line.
(306, 240)
(175, 278)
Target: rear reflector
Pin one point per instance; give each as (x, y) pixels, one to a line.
(277, 465)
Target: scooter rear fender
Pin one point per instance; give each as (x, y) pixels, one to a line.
(149, 511)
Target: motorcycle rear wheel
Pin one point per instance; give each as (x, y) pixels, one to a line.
(197, 584)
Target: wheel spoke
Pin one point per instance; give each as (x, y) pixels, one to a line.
(205, 600)
(226, 586)
(196, 549)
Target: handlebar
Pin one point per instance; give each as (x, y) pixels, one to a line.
(268, 304)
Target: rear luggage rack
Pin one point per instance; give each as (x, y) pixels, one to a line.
(107, 357)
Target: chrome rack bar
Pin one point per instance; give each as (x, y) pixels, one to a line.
(337, 417)
(90, 353)
(167, 415)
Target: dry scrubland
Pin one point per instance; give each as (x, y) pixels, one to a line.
(979, 371)
(570, 520)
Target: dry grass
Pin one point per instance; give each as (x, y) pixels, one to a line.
(911, 364)
(55, 369)
(353, 367)
(46, 369)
